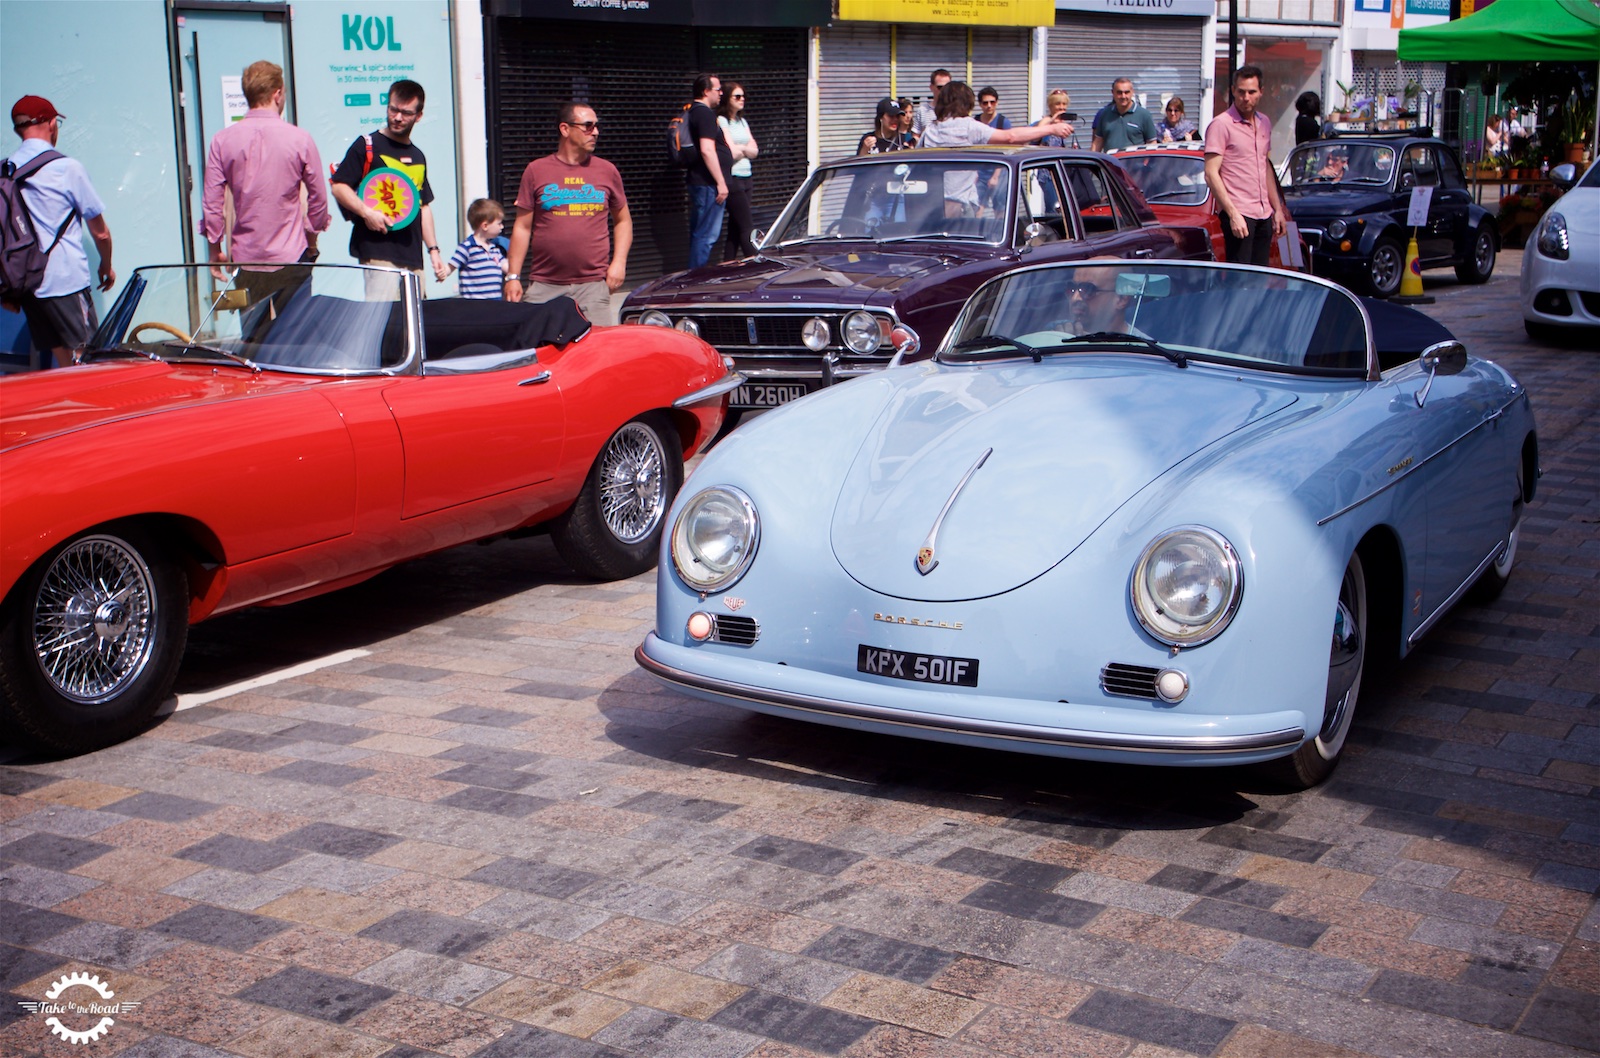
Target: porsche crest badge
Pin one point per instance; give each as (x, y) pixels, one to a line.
(925, 560)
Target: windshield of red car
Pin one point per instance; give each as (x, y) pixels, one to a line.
(318, 318)
(1338, 162)
(950, 198)
(1267, 320)
(1168, 179)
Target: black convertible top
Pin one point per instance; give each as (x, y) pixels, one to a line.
(464, 326)
(1401, 332)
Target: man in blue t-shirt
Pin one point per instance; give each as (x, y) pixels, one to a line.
(708, 173)
(62, 202)
(1124, 123)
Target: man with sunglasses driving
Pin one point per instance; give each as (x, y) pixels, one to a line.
(573, 225)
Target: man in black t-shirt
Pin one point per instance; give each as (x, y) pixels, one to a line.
(372, 241)
(708, 173)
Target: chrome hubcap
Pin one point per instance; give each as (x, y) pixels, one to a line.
(1386, 266)
(1484, 258)
(1346, 658)
(94, 620)
(633, 475)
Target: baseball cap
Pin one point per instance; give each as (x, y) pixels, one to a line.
(887, 105)
(32, 110)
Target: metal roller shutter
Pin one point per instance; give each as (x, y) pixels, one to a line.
(854, 75)
(1162, 56)
(1000, 60)
(636, 78)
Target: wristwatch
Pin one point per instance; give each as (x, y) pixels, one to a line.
(433, 249)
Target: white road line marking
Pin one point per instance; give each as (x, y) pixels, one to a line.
(189, 701)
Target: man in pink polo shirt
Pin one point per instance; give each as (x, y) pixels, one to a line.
(1239, 173)
(265, 161)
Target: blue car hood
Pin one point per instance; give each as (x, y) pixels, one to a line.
(1066, 453)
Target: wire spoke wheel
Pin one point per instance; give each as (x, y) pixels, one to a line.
(94, 620)
(632, 479)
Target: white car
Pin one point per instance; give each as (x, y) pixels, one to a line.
(1561, 269)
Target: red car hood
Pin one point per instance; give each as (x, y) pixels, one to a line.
(49, 403)
(849, 274)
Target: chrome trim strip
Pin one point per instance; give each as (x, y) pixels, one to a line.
(727, 384)
(1200, 745)
(1419, 464)
(1472, 578)
(927, 559)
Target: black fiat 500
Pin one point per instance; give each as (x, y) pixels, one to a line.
(1350, 196)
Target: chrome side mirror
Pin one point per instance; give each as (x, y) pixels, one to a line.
(1564, 176)
(906, 344)
(1440, 358)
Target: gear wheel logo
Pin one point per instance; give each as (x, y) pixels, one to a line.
(58, 1004)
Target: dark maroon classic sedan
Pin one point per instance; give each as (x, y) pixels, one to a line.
(872, 250)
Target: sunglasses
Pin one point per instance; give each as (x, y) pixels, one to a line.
(587, 126)
(1084, 290)
(738, 95)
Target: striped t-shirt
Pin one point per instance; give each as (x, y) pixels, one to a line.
(480, 270)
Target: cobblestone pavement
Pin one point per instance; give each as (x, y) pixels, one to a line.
(491, 835)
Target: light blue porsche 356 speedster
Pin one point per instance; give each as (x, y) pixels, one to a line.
(1153, 512)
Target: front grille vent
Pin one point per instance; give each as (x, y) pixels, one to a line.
(1129, 681)
(735, 631)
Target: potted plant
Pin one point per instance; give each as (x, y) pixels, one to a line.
(1345, 94)
(1577, 125)
(1410, 96)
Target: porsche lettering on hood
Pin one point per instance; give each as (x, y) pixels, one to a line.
(1098, 442)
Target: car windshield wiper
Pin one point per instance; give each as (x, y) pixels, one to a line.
(135, 350)
(963, 236)
(1123, 338)
(1179, 193)
(242, 361)
(996, 344)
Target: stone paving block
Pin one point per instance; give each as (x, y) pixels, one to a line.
(1222, 887)
(491, 756)
(21, 924)
(800, 855)
(916, 963)
(165, 807)
(238, 854)
(428, 932)
(332, 872)
(433, 977)
(289, 1036)
(496, 802)
(52, 851)
(788, 1021)
(1306, 967)
(1021, 902)
(1012, 870)
(1451, 999)
(693, 809)
(316, 995)
(106, 945)
(1563, 1016)
(39, 887)
(643, 900)
(525, 1040)
(1267, 843)
(341, 734)
(336, 840)
(552, 1006)
(320, 773)
(220, 926)
(665, 988)
(1512, 948)
(644, 1031)
(779, 973)
(530, 877)
(1159, 1023)
(17, 781)
(899, 1003)
(242, 892)
(1394, 893)
(538, 914)
(79, 793)
(20, 965)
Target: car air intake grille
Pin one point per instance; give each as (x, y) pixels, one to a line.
(1129, 681)
(735, 631)
(773, 332)
(1591, 301)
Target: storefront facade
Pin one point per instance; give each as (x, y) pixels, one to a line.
(635, 65)
(1163, 46)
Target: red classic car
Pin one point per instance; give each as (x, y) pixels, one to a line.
(261, 436)
(1173, 179)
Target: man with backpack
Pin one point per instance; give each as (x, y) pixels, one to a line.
(48, 201)
(374, 240)
(708, 170)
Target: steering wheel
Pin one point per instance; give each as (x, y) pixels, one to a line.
(133, 334)
(856, 226)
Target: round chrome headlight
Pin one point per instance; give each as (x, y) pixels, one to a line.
(1553, 240)
(688, 326)
(715, 538)
(1186, 586)
(655, 318)
(861, 332)
(1337, 229)
(814, 333)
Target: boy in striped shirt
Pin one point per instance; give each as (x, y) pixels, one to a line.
(478, 259)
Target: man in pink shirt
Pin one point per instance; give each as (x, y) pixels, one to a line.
(265, 161)
(1240, 175)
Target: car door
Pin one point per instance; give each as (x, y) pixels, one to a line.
(478, 433)
(1454, 201)
(1419, 168)
(1106, 222)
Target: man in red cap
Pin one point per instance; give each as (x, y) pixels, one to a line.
(62, 203)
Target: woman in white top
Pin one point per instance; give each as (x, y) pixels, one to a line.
(956, 127)
(730, 115)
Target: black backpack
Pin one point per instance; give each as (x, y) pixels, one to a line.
(22, 258)
(681, 147)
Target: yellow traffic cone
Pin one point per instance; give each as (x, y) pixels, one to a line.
(1411, 278)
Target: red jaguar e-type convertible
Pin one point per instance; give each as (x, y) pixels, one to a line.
(261, 435)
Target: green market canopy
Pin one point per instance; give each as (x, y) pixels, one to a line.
(1511, 31)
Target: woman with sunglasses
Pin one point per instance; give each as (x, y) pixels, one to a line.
(736, 130)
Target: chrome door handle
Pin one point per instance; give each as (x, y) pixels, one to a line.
(543, 376)
(1144, 253)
